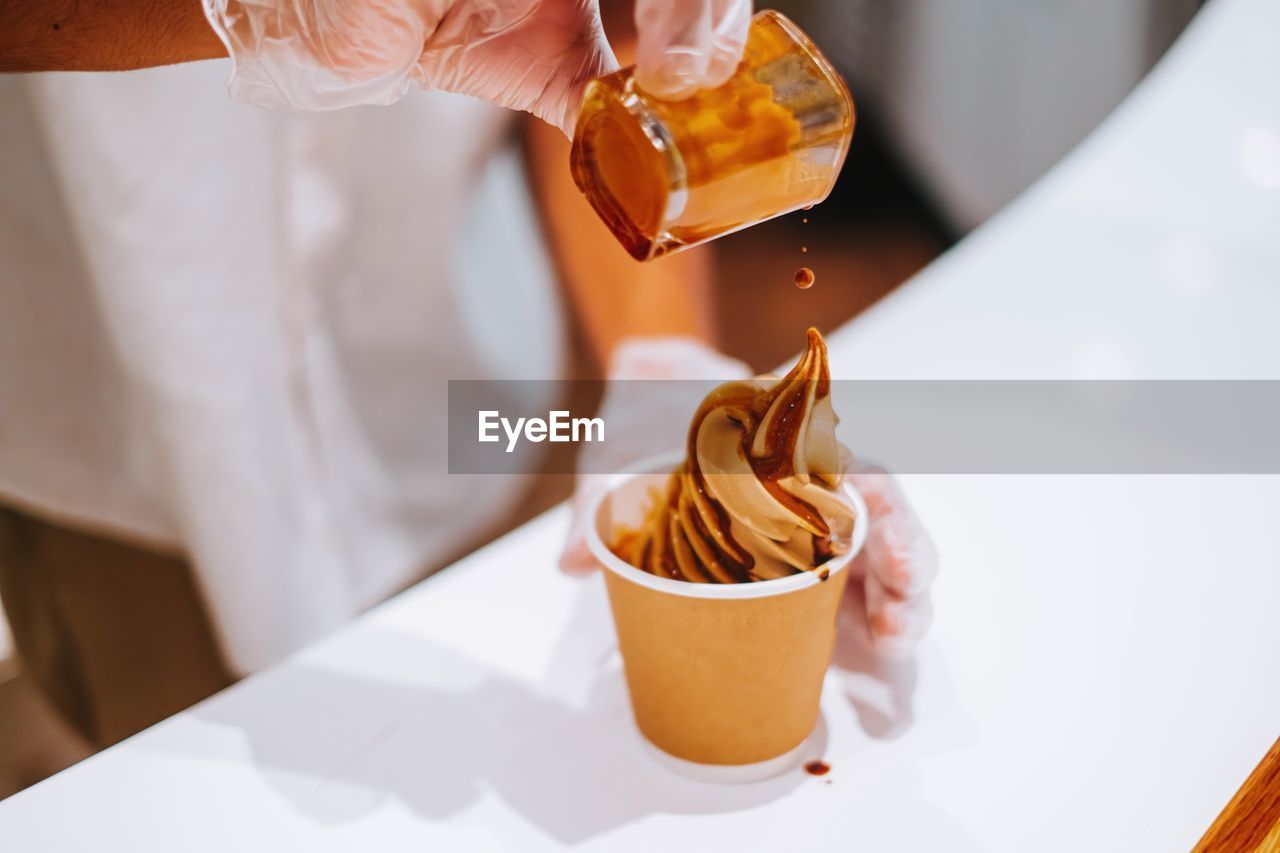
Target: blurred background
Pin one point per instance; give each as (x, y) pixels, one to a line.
(961, 106)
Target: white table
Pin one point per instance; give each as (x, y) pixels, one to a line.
(1104, 668)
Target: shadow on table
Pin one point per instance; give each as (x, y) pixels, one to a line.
(398, 717)
(337, 745)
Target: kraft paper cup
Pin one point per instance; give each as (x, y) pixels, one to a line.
(724, 678)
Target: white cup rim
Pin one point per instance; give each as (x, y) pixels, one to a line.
(667, 462)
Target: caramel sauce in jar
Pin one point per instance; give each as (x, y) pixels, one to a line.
(667, 175)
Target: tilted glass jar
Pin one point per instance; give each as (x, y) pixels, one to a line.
(667, 175)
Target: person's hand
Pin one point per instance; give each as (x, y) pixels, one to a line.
(641, 424)
(532, 55)
(886, 604)
(686, 46)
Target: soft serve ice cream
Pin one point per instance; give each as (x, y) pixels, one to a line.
(759, 494)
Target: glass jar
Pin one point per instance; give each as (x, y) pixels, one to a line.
(667, 175)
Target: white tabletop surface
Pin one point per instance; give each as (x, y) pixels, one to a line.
(1103, 671)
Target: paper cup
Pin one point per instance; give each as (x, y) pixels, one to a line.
(724, 678)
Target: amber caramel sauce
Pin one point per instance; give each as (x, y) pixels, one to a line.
(675, 527)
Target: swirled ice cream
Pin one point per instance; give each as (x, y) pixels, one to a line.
(758, 496)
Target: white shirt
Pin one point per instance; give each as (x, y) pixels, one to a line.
(229, 331)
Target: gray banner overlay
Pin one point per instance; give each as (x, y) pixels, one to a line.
(910, 427)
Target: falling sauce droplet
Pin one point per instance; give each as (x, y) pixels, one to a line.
(804, 250)
(804, 219)
(804, 278)
(817, 768)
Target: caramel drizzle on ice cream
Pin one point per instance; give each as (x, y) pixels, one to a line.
(740, 508)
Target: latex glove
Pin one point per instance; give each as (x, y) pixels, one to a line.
(532, 55)
(887, 602)
(686, 46)
(639, 428)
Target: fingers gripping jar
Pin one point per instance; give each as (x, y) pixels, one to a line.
(667, 175)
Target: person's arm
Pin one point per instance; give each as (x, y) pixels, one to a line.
(612, 295)
(103, 35)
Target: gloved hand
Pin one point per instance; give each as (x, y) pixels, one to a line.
(886, 608)
(533, 55)
(887, 598)
(686, 46)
